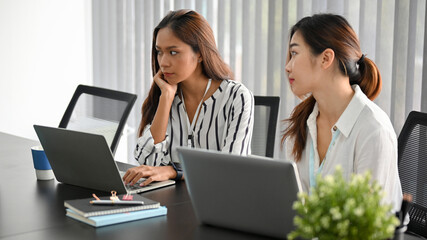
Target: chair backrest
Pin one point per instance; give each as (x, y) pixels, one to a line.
(100, 111)
(412, 157)
(265, 120)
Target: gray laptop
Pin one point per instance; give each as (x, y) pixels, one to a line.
(252, 194)
(85, 160)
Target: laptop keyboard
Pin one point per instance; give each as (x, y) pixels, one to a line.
(138, 189)
(133, 187)
(136, 185)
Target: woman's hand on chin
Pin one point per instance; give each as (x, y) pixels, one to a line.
(167, 89)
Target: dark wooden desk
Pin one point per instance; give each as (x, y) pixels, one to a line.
(31, 209)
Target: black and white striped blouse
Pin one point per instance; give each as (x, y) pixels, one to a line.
(225, 124)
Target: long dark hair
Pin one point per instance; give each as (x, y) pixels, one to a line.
(191, 28)
(322, 31)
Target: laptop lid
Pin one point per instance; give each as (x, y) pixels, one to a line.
(85, 160)
(248, 193)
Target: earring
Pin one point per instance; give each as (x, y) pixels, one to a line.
(199, 61)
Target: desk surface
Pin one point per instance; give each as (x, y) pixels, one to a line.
(31, 209)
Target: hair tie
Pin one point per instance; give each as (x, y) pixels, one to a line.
(361, 59)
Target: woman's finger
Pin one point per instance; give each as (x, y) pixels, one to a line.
(132, 173)
(126, 175)
(146, 182)
(136, 178)
(159, 80)
(129, 175)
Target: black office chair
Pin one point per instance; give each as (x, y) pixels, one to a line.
(265, 121)
(412, 157)
(99, 111)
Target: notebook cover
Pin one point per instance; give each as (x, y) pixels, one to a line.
(84, 208)
(105, 220)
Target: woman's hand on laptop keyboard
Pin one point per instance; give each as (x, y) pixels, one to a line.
(161, 173)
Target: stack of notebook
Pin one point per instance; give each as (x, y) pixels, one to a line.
(105, 212)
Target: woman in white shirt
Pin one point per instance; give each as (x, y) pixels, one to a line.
(191, 102)
(337, 123)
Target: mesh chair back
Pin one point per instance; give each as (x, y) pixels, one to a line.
(99, 111)
(265, 121)
(412, 156)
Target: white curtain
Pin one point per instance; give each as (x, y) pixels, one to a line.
(252, 37)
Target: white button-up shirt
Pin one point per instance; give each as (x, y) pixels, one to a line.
(366, 141)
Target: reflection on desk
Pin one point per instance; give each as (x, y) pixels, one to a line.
(40, 213)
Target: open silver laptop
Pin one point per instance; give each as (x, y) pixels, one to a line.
(252, 194)
(85, 160)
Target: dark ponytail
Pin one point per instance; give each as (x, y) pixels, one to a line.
(370, 79)
(322, 31)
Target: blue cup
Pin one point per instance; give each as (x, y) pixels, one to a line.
(41, 164)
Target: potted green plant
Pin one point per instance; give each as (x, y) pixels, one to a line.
(340, 209)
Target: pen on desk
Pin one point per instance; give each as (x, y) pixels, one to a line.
(96, 197)
(110, 202)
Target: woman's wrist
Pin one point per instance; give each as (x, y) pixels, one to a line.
(167, 97)
(178, 173)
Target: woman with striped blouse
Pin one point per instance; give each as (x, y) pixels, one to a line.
(191, 102)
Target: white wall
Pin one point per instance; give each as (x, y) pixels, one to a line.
(45, 52)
